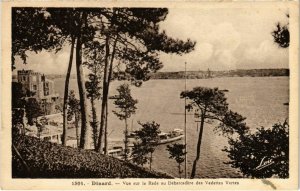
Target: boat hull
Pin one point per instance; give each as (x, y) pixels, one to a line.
(161, 141)
(169, 140)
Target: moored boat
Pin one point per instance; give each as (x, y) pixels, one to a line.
(174, 135)
(116, 152)
(119, 152)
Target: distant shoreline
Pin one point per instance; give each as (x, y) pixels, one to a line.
(219, 74)
(203, 74)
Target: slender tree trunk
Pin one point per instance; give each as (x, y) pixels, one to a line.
(66, 94)
(106, 82)
(94, 122)
(150, 160)
(23, 162)
(179, 170)
(84, 135)
(107, 90)
(126, 140)
(104, 96)
(105, 130)
(198, 147)
(77, 129)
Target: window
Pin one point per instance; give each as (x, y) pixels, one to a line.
(24, 78)
(34, 87)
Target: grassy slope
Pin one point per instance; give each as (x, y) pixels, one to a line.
(48, 160)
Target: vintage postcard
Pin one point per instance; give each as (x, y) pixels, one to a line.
(140, 95)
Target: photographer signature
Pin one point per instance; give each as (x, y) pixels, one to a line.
(264, 163)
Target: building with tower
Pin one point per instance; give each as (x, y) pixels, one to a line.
(37, 86)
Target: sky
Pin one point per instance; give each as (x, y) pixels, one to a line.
(226, 39)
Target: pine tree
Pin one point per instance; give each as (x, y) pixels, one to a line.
(210, 105)
(126, 107)
(177, 152)
(147, 140)
(73, 110)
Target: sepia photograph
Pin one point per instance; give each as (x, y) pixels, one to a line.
(183, 96)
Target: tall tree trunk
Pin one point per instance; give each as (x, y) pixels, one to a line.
(77, 129)
(126, 140)
(105, 130)
(107, 89)
(150, 160)
(94, 122)
(106, 82)
(104, 96)
(84, 135)
(179, 170)
(198, 147)
(66, 94)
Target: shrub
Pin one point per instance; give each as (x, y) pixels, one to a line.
(48, 160)
(263, 154)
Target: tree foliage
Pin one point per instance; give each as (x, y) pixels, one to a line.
(126, 107)
(18, 95)
(131, 36)
(147, 139)
(281, 35)
(94, 64)
(139, 40)
(33, 110)
(263, 154)
(210, 104)
(125, 103)
(232, 123)
(93, 85)
(73, 105)
(140, 153)
(32, 30)
(73, 111)
(50, 28)
(177, 152)
(92, 95)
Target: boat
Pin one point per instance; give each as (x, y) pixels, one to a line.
(164, 138)
(175, 135)
(116, 152)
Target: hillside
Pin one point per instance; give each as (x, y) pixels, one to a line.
(48, 160)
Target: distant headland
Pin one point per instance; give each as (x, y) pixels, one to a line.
(217, 74)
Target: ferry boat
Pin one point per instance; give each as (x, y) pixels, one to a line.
(164, 138)
(175, 135)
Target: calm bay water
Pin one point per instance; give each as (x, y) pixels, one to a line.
(259, 99)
